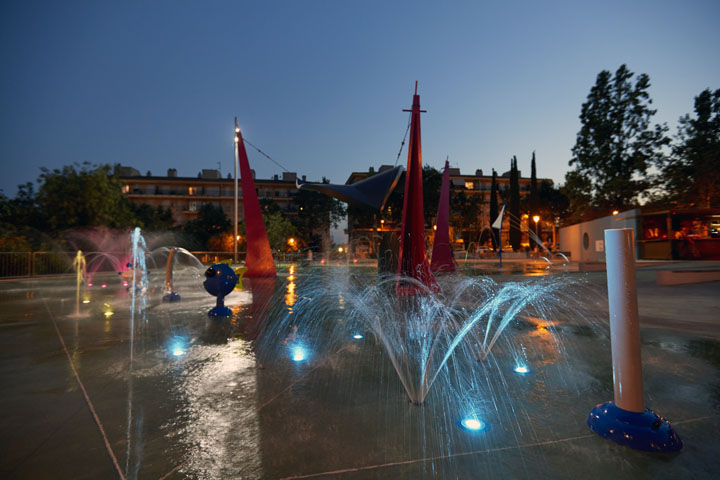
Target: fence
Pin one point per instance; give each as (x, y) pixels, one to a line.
(31, 264)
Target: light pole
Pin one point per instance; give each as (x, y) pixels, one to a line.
(536, 219)
(235, 223)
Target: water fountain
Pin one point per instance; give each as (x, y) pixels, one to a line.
(173, 261)
(340, 343)
(220, 281)
(421, 334)
(80, 266)
(421, 323)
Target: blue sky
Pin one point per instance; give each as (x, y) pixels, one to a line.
(320, 85)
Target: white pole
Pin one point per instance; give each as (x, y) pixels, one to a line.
(624, 322)
(235, 223)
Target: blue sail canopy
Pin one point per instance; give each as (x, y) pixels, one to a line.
(370, 192)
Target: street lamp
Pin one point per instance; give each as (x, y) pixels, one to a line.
(536, 219)
(235, 192)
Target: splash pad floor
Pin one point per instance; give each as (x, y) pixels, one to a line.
(197, 402)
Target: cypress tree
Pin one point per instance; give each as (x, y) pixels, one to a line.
(493, 205)
(514, 208)
(533, 208)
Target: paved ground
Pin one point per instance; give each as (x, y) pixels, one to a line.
(214, 412)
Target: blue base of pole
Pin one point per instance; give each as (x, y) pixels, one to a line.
(639, 430)
(171, 297)
(220, 312)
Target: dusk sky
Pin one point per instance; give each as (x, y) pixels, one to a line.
(320, 86)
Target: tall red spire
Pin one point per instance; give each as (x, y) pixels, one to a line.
(258, 259)
(442, 257)
(412, 261)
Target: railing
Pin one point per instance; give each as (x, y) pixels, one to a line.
(15, 264)
(31, 264)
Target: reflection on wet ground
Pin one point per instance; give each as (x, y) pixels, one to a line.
(201, 401)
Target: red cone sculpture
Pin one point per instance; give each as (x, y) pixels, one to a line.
(412, 260)
(258, 259)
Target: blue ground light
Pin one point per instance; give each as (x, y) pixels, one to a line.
(357, 336)
(472, 424)
(298, 354)
(521, 369)
(178, 347)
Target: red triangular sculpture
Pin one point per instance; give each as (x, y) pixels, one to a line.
(258, 259)
(442, 256)
(412, 261)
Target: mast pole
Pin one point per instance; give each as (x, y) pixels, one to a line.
(235, 223)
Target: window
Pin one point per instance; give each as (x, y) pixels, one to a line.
(192, 191)
(125, 188)
(469, 185)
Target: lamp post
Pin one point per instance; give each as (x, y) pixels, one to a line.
(536, 219)
(235, 223)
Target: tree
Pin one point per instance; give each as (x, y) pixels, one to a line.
(279, 230)
(465, 215)
(615, 144)
(553, 204)
(151, 219)
(494, 205)
(692, 173)
(533, 203)
(211, 220)
(21, 211)
(514, 207)
(82, 196)
(315, 211)
(432, 178)
(578, 190)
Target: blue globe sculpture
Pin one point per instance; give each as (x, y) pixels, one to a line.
(220, 280)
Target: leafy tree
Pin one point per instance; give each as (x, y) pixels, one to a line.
(578, 190)
(432, 178)
(514, 207)
(315, 211)
(279, 229)
(211, 220)
(494, 204)
(432, 181)
(465, 215)
(553, 204)
(21, 211)
(615, 145)
(82, 196)
(152, 219)
(268, 206)
(692, 173)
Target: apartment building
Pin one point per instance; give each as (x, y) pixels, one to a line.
(362, 235)
(184, 195)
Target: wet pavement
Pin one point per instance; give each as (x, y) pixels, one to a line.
(200, 400)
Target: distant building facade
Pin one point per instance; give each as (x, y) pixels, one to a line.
(362, 235)
(183, 196)
(677, 234)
